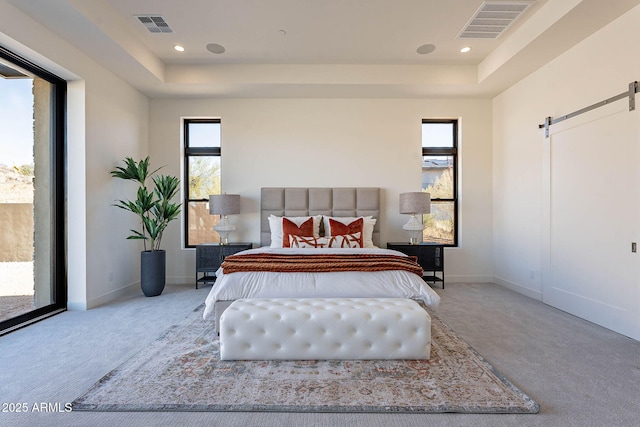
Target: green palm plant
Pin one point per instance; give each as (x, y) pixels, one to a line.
(154, 207)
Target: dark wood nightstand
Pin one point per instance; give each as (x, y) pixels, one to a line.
(430, 257)
(209, 256)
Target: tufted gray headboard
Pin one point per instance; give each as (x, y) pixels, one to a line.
(298, 201)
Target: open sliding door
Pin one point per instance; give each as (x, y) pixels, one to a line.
(32, 210)
(592, 218)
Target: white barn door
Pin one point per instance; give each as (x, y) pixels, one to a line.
(592, 216)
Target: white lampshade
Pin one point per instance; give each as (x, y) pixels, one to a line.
(223, 205)
(413, 204)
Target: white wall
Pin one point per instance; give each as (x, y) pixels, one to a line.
(107, 120)
(117, 126)
(333, 143)
(596, 69)
(266, 142)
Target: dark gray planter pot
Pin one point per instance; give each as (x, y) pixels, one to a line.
(153, 266)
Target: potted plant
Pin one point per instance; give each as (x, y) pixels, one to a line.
(155, 210)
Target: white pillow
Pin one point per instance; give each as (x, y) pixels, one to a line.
(367, 229)
(275, 226)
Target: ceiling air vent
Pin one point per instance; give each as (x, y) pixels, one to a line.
(155, 23)
(492, 18)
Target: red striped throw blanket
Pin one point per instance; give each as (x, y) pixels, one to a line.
(319, 263)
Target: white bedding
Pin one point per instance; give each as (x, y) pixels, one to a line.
(356, 284)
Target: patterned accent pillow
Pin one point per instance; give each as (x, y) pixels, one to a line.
(338, 228)
(290, 228)
(367, 232)
(275, 227)
(307, 242)
(346, 241)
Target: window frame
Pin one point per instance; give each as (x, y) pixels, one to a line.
(453, 153)
(194, 152)
(58, 260)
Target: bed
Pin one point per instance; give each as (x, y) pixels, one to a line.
(324, 208)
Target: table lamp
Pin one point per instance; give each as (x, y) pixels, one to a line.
(223, 205)
(413, 204)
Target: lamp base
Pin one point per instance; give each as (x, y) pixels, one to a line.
(414, 240)
(224, 228)
(414, 228)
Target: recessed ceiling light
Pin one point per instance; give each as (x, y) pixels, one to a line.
(215, 48)
(426, 48)
(179, 48)
(465, 49)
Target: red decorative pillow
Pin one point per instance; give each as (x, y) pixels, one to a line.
(340, 229)
(289, 227)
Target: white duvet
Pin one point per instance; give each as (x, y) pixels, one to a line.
(351, 284)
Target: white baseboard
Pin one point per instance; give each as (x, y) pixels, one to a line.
(181, 280)
(459, 278)
(126, 290)
(134, 288)
(531, 293)
(76, 306)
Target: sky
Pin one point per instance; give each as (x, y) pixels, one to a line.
(16, 122)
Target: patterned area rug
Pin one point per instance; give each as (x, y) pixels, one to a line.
(181, 371)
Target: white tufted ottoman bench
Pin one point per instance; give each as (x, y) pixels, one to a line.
(324, 328)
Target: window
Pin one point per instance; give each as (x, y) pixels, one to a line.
(439, 178)
(32, 243)
(201, 178)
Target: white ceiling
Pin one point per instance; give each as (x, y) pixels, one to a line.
(318, 48)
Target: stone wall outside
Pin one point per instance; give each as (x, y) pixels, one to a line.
(16, 239)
